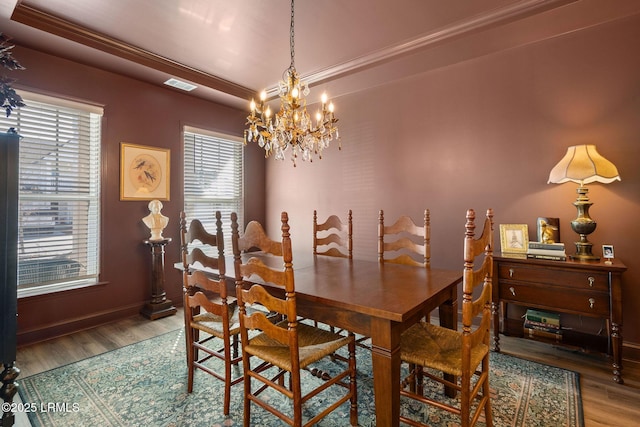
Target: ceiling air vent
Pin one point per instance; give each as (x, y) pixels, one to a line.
(180, 85)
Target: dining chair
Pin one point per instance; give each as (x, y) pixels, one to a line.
(211, 317)
(461, 354)
(333, 237)
(287, 347)
(404, 242)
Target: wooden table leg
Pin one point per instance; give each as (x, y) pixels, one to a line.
(616, 346)
(385, 355)
(615, 331)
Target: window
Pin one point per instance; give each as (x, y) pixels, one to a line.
(59, 193)
(213, 179)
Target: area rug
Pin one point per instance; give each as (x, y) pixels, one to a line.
(145, 384)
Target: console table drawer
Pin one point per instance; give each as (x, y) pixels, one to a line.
(588, 303)
(588, 280)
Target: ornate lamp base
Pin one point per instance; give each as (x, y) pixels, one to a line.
(583, 225)
(583, 252)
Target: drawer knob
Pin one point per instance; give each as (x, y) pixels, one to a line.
(592, 302)
(513, 291)
(511, 273)
(591, 280)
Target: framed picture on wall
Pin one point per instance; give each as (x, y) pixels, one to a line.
(144, 172)
(514, 238)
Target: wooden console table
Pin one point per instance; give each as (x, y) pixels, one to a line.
(591, 289)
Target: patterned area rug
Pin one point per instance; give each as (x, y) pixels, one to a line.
(144, 384)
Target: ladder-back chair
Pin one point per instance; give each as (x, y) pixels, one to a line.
(429, 348)
(404, 242)
(211, 317)
(333, 237)
(284, 347)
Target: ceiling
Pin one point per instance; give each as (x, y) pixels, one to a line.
(232, 49)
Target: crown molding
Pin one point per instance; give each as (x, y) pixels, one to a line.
(474, 24)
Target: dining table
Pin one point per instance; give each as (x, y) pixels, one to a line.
(378, 300)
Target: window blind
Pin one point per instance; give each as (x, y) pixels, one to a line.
(59, 193)
(213, 179)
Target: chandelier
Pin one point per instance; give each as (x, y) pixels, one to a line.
(292, 127)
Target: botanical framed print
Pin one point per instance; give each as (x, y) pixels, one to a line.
(144, 172)
(514, 238)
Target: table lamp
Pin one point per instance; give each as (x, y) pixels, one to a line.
(583, 165)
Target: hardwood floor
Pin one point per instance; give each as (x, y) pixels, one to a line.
(604, 402)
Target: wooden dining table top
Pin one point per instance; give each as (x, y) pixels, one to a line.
(389, 291)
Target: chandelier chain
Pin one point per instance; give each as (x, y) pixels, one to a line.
(292, 44)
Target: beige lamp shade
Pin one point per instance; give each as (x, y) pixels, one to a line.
(583, 164)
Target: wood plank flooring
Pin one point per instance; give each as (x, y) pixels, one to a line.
(605, 403)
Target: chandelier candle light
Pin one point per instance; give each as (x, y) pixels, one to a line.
(292, 127)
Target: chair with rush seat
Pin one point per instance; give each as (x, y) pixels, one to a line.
(429, 348)
(404, 242)
(288, 348)
(333, 237)
(211, 316)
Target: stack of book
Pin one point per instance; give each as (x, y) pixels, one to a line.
(542, 324)
(553, 251)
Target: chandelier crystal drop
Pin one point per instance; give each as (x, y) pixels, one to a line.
(292, 127)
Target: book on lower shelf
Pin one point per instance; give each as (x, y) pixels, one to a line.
(542, 317)
(540, 325)
(537, 333)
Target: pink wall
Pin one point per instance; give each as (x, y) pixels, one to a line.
(484, 133)
(138, 113)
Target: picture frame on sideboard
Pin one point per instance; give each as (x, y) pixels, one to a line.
(514, 238)
(607, 253)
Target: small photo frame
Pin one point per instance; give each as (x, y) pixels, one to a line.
(607, 251)
(514, 238)
(144, 172)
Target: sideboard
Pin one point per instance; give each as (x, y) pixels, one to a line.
(592, 289)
